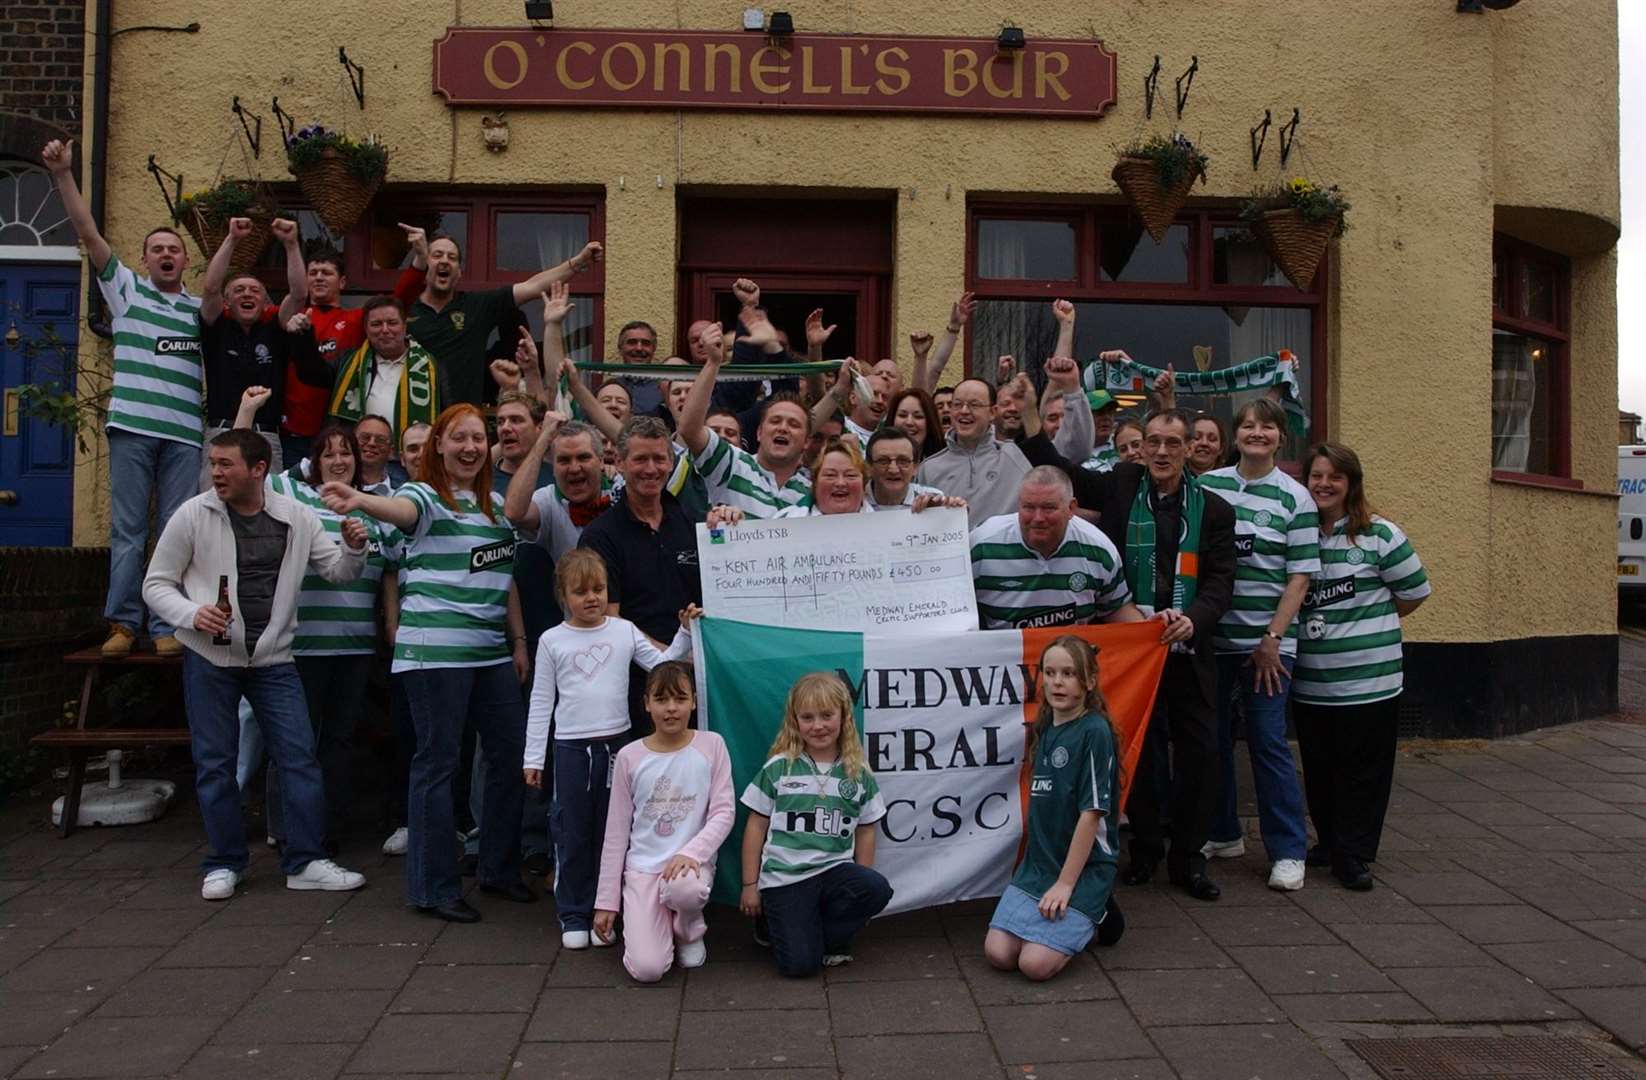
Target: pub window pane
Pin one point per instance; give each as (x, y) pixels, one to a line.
(528, 241)
(314, 235)
(1522, 402)
(1537, 283)
(1029, 250)
(1130, 255)
(578, 328)
(31, 213)
(1239, 258)
(1188, 336)
(389, 250)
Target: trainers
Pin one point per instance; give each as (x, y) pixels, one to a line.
(575, 939)
(603, 943)
(325, 876)
(219, 885)
(1286, 875)
(271, 840)
(690, 954)
(1224, 849)
(396, 843)
(119, 643)
(835, 959)
(167, 646)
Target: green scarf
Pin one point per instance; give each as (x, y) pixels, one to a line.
(1276, 369)
(418, 400)
(1140, 547)
(727, 373)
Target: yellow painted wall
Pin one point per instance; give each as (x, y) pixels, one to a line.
(1437, 124)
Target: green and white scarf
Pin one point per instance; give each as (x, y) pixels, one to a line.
(1141, 552)
(417, 400)
(1275, 369)
(728, 372)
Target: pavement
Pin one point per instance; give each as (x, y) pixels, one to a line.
(1510, 902)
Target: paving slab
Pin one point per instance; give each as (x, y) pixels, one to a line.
(1390, 947)
(463, 988)
(237, 946)
(307, 1016)
(1626, 934)
(1485, 994)
(750, 1040)
(626, 1014)
(1133, 1069)
(120, 926)
(86, 970)
(269, 1061)
(1309, 969)
(1501, 924)
(926, 1007)
(1074, 1031)
(122, 1047)
(1617, 1009)
(1080, 980)
(918, 1057)
(1253, 1052)
(595, 1061)
(1570, 964)
(750, 984)
(1284, 925)
(166, 992)
(1370, 1008)
(1227, 996)
(418, 1044)
(348, 967)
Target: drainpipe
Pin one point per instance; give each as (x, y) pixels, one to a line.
(94, 166)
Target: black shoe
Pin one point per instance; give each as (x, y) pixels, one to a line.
(468, 865)
(762, 936)
(1319, 855)
(453, 911)
(1113, 924)
(1140, 872)
(537, 864)
(516, 891)
(1353, 874)
(1198, 886)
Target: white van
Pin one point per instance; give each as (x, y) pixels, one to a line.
(1631, 520)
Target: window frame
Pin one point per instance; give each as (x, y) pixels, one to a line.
(1510, 315)
(1198, 290)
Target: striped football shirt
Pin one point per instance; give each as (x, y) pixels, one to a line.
(1017, 589)
(157, 359)
(335, 619)
(814, 816)
(1277, 534)
(1349, 650)
(1102, 458)
(735, 477)
(458, 568)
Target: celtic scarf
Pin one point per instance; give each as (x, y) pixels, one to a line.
(1276, 369)
(1140, 547)
(728, 372)
(417, 402)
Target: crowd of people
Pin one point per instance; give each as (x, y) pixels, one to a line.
(340, 510)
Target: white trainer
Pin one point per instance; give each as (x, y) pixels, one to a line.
(603, 943)
(1224, 849)
(1286, 875)
(691, 954)
(219, 885)
(836, 959)
(575, 939)
(323, 875)
(396, 843)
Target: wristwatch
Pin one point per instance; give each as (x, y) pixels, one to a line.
(1272, 634)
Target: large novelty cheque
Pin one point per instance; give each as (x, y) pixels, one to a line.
(842, 571)
(943, 717)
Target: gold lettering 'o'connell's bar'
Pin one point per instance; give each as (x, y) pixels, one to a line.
(685, 69)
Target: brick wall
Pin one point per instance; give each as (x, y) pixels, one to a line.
(42, 58)
(51, 602)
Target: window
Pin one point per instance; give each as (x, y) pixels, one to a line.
(1530, 360)
(31, 213)
(1205, 298)
(504, 237)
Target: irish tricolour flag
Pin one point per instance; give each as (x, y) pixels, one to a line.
(942, 716)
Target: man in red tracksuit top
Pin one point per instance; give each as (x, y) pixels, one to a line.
(338, 331)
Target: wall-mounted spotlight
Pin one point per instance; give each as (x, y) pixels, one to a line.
(540, 10)
(1011, 38)
(782, 24)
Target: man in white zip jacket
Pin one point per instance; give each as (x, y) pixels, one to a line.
(261, 543)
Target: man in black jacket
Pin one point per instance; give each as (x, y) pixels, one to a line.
(1192, 570)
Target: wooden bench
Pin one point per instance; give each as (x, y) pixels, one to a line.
(82, 739)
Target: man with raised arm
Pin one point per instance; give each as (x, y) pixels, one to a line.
(153, 424)
(455, 326)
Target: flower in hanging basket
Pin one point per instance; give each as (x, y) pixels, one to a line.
(206, 213)
(1155, 176)
(1296, 221)
(221, 201)
(339, 174)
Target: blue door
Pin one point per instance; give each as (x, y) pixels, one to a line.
(39, 324)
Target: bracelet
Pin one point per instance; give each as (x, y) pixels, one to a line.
(953, 329)
(746, 884)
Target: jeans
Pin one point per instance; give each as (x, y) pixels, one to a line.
(335, 687)
(250, 757)
(141, 466)
(535, 804)
(1274, 773)
(582, 793)
(820, 915)
(441, 699)
(211, 695)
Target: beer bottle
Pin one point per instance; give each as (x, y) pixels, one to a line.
(223, 606)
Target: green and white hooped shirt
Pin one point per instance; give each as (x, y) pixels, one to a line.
(1277, 534)
(157, 359)
(1017, 589)
(335, 620)
(1348, 652)
(458, 568)
(814, 816)
(735, 477)
(1102, 458)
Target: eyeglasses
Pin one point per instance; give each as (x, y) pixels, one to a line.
(900, 462)
(1155, 442)
(372, 440)
(956, 405)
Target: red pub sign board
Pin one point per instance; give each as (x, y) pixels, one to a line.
(686, 69)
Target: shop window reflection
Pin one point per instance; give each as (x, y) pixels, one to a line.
(1013, 248)
(527, 241)
(389, 250)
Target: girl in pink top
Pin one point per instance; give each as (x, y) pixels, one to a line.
(671, 808)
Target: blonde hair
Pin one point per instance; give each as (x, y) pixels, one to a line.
(821, 691)
(578, 567)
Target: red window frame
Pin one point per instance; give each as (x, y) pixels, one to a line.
(1508, 313)
(1090, 218)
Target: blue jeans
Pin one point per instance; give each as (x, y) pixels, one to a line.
(577, 821)
(141, 466)
(820, 915)
(211, 696)
(1274, 773)
(440, 700)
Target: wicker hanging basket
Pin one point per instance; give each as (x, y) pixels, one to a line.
(1296, 245)
(1156, 204)
(336, 194)
(209, 230)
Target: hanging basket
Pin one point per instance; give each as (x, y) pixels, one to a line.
(1156, 205)
(336, 194)
(1296, 245)
(209, 230)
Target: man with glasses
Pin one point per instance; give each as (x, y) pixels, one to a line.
(891, 471)
(975, 466)
(1177, 548)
